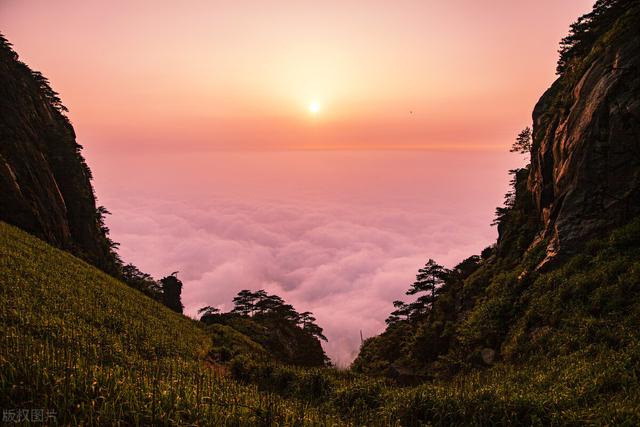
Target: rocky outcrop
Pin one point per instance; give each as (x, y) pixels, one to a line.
(585, 162)
(45, 185)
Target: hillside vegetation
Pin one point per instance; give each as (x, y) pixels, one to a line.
(95, 351)
(571, 354)
(542, 290)
(542, 328)
(265, 325)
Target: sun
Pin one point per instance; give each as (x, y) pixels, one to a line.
(314, 107)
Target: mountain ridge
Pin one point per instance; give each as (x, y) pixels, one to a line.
(583, 182)
(45, 183)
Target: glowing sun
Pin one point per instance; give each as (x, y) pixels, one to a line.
(314, 107)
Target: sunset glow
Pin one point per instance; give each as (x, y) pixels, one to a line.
(314, 107)
(319, 150)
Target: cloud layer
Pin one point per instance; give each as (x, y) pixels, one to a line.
(343, 254)
(345, 265)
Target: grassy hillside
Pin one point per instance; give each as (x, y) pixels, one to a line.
(80, 343)
(570, 352)
(95, 351)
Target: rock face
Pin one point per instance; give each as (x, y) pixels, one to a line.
(45, 185)
(586, 142)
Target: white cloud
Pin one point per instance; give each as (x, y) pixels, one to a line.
(344, 263)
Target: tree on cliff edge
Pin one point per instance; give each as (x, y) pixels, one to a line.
(172, 289)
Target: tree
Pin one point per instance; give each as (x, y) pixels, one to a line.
(402, 312)
(428, 279)
(307, 321)
(467, 266)
(522, 144)
(172, 289)
(586, 30)
(268, 303)
(509, 199)
(286, 312)
(306, 317)
(244, 303)
(314, 330)
(207, 313)
(135, 278)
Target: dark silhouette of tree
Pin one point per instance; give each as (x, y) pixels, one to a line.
(50, 95)
(135, 278)
(402, 312)
(509, 199)
(306, 317)
(285, 312)
(101, 214)
(307, 321)
(269, 310)
(522, 144)
(428, 279)
(208, 313)
(269, 303)
(468, 266)
(314, 330)
(172, 289)
(244, 303)
(586, 30)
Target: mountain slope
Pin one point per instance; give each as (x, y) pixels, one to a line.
(585, 162)
(45, 185)
(78, 342)
(557, 284)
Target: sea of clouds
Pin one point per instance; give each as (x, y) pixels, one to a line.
(343, 254)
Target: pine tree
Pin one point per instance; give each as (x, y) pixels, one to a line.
(522, 143)
(401, 313)
(244, 303)
(429, 278)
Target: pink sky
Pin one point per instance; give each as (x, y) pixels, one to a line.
(194, 117)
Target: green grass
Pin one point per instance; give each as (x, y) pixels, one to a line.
(97, 352)
(570, 352)
(578, 389)
(100, 353)
(229, 343)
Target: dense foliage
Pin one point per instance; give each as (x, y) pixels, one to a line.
(587, 29)
(271, 324)
(500, 339)
(89, 350)
(103, 353)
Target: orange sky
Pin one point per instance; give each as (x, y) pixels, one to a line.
(190, 112)
(240, 75)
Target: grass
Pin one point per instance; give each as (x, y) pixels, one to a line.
(97, 352)
(577, 389)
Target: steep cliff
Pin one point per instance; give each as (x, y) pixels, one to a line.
(45, 185)
(563, 279)
(585, 165)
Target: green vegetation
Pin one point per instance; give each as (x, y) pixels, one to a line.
(503, 338)
(95, 351)
(561, 346)
(586, 31)
(270, 324)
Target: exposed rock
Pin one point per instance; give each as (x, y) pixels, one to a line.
(45, 185)
(586, 147)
